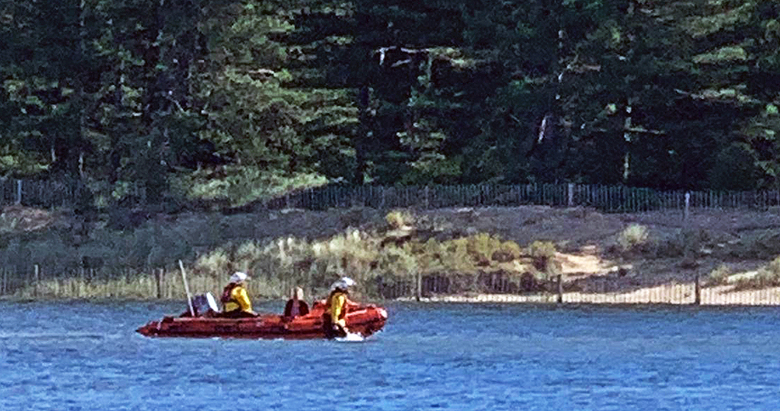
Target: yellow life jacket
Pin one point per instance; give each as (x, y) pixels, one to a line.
(236, 298)
(337, 307)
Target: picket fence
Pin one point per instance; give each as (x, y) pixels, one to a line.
(616, 199)
(134, 284)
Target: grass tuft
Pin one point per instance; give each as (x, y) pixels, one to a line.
(767, 276)
(633, 237)
(398, 219)
(720, 275)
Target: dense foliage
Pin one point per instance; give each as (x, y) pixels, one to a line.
(119, 93)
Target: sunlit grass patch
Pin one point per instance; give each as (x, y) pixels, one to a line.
(767, 276)
(398, 219)
(632, 237)
(720, 275)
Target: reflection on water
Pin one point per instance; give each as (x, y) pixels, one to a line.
(80, 356)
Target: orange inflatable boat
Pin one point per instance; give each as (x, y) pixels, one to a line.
(363, 320)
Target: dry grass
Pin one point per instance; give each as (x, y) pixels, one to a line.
(24, 219)
(633, 237)
(370, 259)
(314, 247)
(544, 264)
(143, 286)
(398, 219)
(720, 275)
(767, 276)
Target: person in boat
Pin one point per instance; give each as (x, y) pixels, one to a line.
(336, 307)
(235, 300)
(296, 305)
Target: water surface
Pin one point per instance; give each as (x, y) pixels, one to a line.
(86, 356)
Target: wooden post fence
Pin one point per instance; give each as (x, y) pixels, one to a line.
(560, 288)
(697, 291)
(160, 278)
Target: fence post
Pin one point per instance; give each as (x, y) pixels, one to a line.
(427, 201)
(309, 285)
(697, 290)
(571, 195)
(560, 288)
(159, 278)
(687, 210)
(35, 280)
(18, 192)
(418, 285)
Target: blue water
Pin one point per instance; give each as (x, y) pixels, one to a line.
(81, 356)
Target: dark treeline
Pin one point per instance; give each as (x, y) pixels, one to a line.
(666, 94)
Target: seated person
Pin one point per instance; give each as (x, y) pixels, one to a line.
(325, 305)
(235, 300)
(334, 320)
(296, 305)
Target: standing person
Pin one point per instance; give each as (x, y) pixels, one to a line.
(296, 305)
(336, 306)
(235, 300)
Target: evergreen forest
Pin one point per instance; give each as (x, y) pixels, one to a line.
(199, 96)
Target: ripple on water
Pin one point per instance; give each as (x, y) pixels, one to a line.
(87, 356)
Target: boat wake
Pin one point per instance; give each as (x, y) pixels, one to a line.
(352, 338)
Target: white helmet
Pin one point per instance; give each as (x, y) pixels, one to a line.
(238, 277)
(342, 284)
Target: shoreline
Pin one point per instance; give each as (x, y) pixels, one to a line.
(483, 256)
(669, 294)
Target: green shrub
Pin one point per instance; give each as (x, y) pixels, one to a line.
(399, 218)
(456, 257)
(768, 276)
(543, 253)
(542, 249)
(429, 255)
(685, 243)
(508, 251)
(632, 237)
(760, 245)
(482, 246)
(398, 261)
(720, 275)
(216, 263)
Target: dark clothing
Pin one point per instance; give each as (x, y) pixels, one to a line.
(226, 293)
(303, 308)
(332, 330)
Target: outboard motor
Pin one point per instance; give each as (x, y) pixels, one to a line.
(204, 305)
